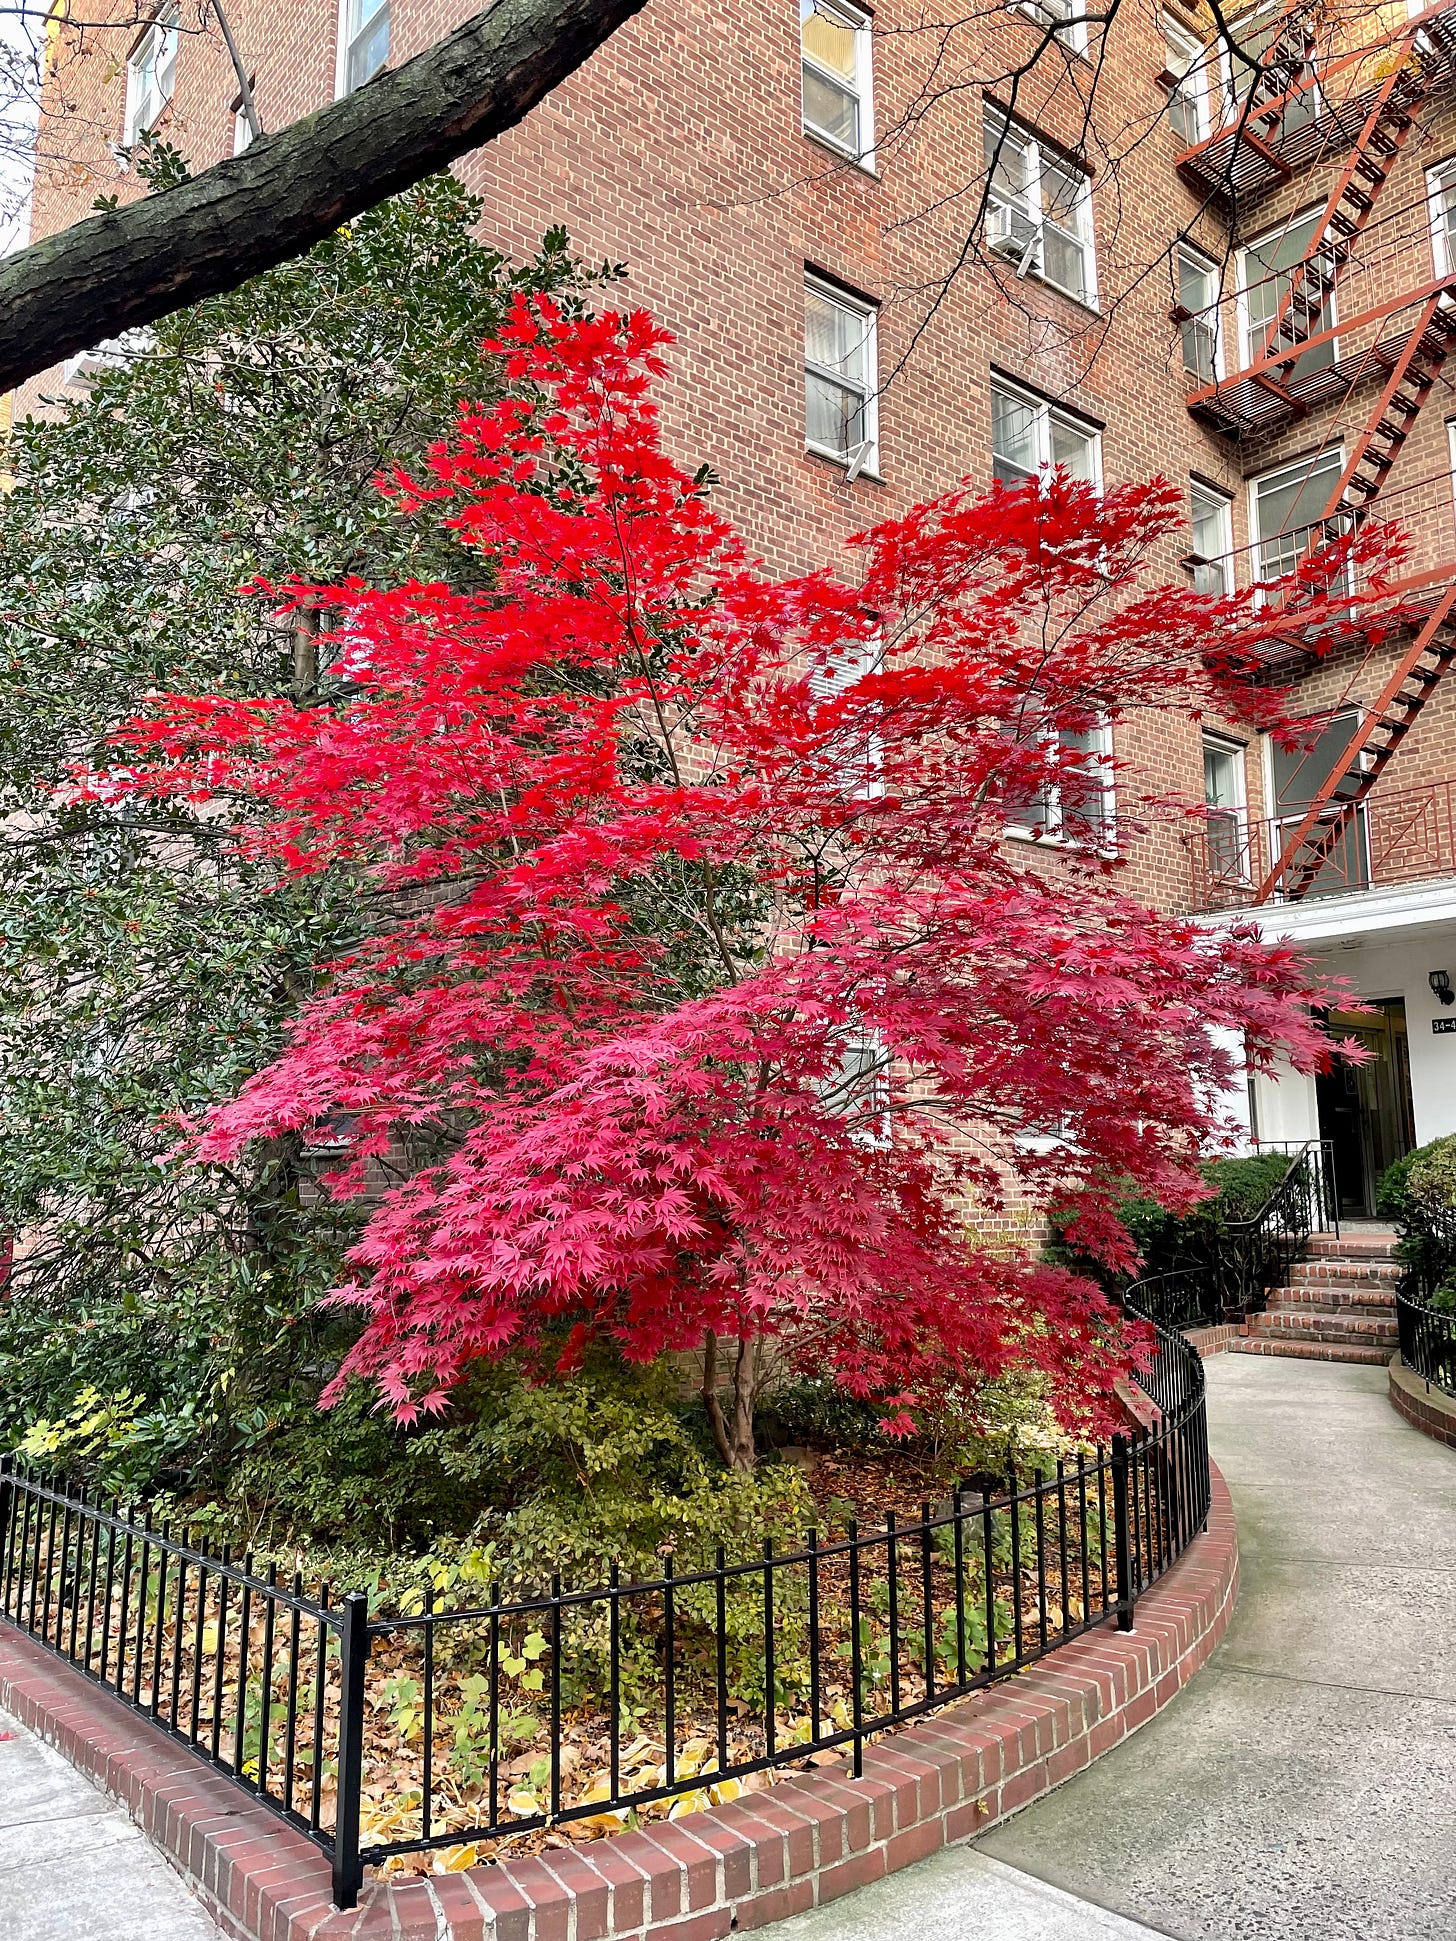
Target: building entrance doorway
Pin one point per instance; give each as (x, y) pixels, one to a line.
(1365, 1111)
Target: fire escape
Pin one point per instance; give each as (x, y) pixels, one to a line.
(1287, 123)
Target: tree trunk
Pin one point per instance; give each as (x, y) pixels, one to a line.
(305, 655)
(733, 1438)
(125, 267)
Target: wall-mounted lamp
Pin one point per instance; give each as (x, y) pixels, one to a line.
(1440, 983)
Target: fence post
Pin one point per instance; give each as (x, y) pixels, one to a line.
(7, 1502)
(1122, 1535)
(353, 1666)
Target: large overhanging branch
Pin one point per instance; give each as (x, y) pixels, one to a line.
(129, 266)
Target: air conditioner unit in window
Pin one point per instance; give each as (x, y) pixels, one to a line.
(1012, 233)
(85, 364)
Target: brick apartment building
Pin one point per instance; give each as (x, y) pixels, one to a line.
(1244, 281)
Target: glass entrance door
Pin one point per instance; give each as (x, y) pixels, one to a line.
(1365, 1111)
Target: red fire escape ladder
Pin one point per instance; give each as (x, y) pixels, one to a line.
(1350, 203)
(1381, 729)
(1385, 724)
(1413, 376)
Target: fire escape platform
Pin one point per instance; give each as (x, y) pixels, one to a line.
(1273, 391)
(1255, 152)
(1399, 608)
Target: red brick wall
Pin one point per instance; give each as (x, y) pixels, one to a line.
(678, 150)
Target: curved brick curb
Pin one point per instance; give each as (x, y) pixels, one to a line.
(739, 1867)
(1426, 1408)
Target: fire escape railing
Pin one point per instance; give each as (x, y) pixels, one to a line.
(1297, 352)
(1397, 837)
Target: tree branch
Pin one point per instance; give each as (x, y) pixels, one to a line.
(125, 267)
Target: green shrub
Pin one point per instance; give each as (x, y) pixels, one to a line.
(1419, 1194)
(1241, 1188)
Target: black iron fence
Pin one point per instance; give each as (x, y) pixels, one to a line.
(460, 1724)
(1246, 1258)
(1427, 1341)
(257, 1678)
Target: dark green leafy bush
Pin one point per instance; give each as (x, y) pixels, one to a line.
(1418, 1193)
(1241, 1189)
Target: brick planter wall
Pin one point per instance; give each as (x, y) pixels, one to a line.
(1428, 1409)
(803, 1842)
(1216, 1340)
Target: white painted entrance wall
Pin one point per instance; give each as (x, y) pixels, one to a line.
(1377, 968)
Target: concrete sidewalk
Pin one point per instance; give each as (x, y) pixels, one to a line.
(1303, 1788)
(72, 1865)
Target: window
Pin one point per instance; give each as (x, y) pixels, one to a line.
(1288, 510)
(839, 376)
(1198, 315)
(151, 74)
(1029, 437)
(1213, 540)
(1187, 69)
(1298, 774)
(1080, 809)
(1441, 189)
(835, 49)
(1270, 264)
(1039, 210)
(863, 758)
(1223, 796)
(859, 1087)
(1067, 17)
(363, 42)
(1244, 48)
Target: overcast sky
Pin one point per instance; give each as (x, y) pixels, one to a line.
(17, 120)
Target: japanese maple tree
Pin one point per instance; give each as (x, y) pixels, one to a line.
(728, 1012)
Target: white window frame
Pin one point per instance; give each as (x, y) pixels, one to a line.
(865, 1061)
(864, 79)
(844, 671)
(1047, 413)
(1067, 19)
(242, 130)
(864, 459)
(1280, 820)
(1206, 267)
(1222, 560)
(1231, 101)
(1023, 243)
(155, 52)
(1189, 79)
(348, 34)
(1257, 541)
(1451, 451)
(1050, 831)
(1238, 810)
(84, 365)
(1443, 258)
(1249, 352)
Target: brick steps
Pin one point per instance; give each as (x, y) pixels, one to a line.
(1338, 1305)
(1382, 1275)
(1354, 1330)
(1310, 1351)
(1334, 1296)
(1366, 1243)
